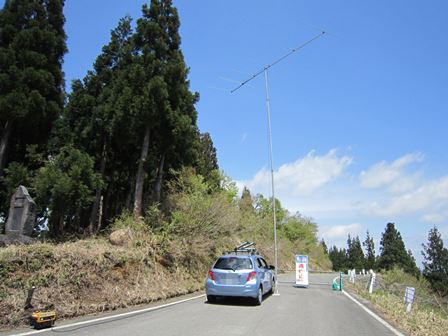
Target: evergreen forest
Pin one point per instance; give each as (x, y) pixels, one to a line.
(112, 144)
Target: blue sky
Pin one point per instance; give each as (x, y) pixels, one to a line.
(359, 116)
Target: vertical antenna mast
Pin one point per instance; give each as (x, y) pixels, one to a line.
(268, 110)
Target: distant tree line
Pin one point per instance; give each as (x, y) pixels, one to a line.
(393, 254)
(109, 146)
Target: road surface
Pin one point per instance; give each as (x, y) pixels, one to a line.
(316, 310)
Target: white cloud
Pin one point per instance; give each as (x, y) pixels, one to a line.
(431, 196)
(240, 186)
(392, 176)
(326, 188)
(303, 176)
(340, 231)
(432, 218)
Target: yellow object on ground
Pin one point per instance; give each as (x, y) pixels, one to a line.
(43, 319)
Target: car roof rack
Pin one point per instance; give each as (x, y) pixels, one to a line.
(244, 248)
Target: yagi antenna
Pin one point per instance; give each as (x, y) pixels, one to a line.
(279, 60)
(268, 110)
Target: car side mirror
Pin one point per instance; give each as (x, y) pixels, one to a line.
(272, 267)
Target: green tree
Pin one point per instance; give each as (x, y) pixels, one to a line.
(299, 228)
(393, 252)
(155, 94)
(435, 264)
(355, 254)
(200, 214)
(264, 208)
(207, 161)
(32, 46)
(369, 246)
(324, 246)
(66, 185)
(338, 258)
(347, 251)
(246, 202)
(411, 266)
(93, 123)
(21, 174)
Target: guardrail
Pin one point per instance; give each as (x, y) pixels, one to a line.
(374, 282)
(289, 270)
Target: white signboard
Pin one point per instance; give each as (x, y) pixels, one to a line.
(302, 270)
(409, 295)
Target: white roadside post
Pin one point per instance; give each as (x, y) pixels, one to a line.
(409, 298)
(372, 281)
(352, 274)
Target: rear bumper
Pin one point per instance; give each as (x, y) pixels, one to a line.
(248, 290)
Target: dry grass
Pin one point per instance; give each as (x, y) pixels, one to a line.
(90, 276)
(423, 320)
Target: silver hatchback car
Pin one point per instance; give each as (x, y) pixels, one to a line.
(239, 275)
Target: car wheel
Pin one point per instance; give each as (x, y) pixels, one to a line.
(211, 299)
(259, 298)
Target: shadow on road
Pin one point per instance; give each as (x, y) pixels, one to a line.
(236, 301)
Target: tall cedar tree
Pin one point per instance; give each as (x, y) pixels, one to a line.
(207, 161)
(32, 46)
(347, 251)
(355, 255)
(162, 102)
(393, 252)
(338, 258)
(246, 203)
(412, 267)
(139, 83)
(93, 123)
(435, 266)
(369, 246)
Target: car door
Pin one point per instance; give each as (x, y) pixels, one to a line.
(261, 270)
(265, 279)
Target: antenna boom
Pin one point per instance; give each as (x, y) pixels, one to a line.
(278, 60)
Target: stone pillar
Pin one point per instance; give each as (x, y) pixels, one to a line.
(22, 214)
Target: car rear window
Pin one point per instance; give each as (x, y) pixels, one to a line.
(233, 263)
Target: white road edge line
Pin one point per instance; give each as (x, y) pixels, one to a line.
(109, 317)
(375, 316)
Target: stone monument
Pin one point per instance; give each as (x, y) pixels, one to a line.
(22, 214)
(21, 219)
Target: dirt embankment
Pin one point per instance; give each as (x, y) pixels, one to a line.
(91, 276)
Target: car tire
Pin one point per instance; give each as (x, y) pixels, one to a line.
(211, 298)
(259, 298)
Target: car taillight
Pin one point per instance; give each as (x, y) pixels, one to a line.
(211, 275)
(251, 276)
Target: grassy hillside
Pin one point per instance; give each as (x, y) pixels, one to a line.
(163, 256)
(429, 314)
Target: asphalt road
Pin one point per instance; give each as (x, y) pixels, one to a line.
(316, 310)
